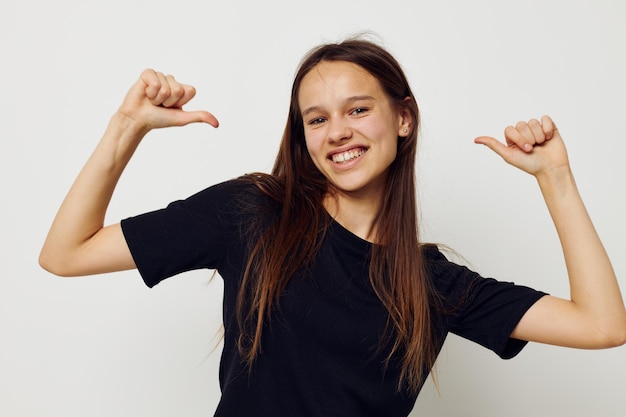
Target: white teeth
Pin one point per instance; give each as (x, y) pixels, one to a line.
(348, 155)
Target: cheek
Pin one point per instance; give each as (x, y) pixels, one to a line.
(384, 132)
(313, 143)
(387, 137)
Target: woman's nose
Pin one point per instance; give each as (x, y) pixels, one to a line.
(338, 130)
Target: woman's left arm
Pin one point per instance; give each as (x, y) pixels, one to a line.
(595, 316)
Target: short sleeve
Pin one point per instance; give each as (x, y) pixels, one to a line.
(188, 234)
(483, 310)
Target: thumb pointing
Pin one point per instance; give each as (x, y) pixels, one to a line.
(490, 142)
(198, 116)
(495, 145)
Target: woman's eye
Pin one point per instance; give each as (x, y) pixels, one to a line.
(359, 110)
(316, 121)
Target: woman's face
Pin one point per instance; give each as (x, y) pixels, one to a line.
(351, 127)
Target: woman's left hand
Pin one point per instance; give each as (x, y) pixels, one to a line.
(535, 147)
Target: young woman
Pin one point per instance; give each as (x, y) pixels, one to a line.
(331, 304)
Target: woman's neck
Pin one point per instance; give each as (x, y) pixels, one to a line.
(356, 214)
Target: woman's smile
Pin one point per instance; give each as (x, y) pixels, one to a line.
(347, 156)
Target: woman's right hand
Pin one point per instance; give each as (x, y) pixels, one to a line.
(156, 100)
(78, 243)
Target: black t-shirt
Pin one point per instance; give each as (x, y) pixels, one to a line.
(321, 352)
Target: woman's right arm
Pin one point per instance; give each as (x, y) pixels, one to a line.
(78, 243)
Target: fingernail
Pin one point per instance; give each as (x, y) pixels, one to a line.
(528, 148)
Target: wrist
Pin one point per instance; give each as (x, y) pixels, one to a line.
(120, 140)
(558, 180)
(129, 126)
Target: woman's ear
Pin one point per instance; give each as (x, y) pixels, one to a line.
(405, 120)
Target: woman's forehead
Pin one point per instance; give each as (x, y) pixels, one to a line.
(337, 80)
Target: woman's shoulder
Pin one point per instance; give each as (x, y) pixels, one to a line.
(262, 184)
(246, 190)
(446, 277)
(431, 253)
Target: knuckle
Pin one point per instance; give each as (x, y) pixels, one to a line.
(177, 90)
(162, 96)
(165, 91)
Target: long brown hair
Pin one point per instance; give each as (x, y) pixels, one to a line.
(397, 273)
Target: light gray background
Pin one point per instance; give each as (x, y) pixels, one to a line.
(108, 346)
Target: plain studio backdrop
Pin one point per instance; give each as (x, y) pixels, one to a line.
(109, 346)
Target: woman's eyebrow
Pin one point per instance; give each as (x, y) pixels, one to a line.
(346, 101)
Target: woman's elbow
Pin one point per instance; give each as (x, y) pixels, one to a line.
(619, 338)
(86, 259)
(613, 336)
(48, 265)
(54, 263)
